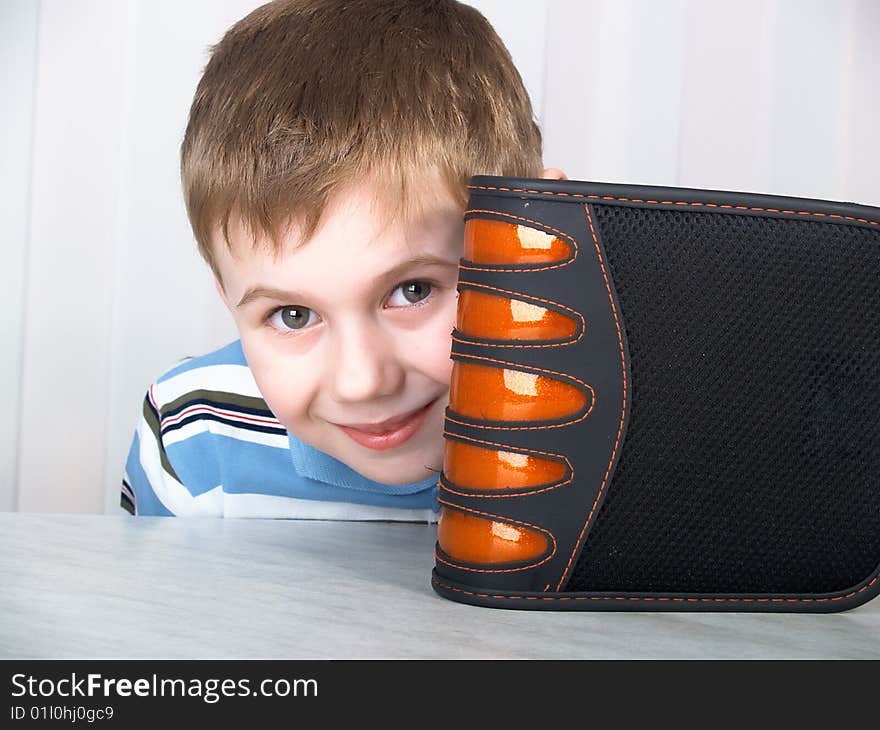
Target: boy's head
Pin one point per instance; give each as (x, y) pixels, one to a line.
(324, 171)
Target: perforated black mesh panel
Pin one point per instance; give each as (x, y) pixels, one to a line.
(752, 455)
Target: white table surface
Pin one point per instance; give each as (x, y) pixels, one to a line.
(94, 586)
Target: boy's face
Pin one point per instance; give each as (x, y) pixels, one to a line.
(353, 329)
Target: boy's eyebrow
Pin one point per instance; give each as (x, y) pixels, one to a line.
(268, 292)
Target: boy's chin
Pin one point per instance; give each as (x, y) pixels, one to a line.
(395, 469)
(395, 476)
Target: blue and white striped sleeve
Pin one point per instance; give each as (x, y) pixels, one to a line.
(147, 464)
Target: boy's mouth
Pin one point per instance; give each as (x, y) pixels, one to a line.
(389, 433)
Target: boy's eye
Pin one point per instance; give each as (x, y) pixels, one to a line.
(413, 292)
(291, 318)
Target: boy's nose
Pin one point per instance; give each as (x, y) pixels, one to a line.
(366, 365)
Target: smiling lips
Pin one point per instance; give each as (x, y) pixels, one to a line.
(390, 433)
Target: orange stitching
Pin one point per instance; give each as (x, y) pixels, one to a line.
(507, 447)
(677, 202)
(483, 493)
(570, 239)
(502, 344)
(623, 408)
(514, 366)
(500, 519)
(444, 487)
(676, 599)
(523, 297)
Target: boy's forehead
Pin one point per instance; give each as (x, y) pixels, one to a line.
(357, 215)
(359, 228)
(380, 202)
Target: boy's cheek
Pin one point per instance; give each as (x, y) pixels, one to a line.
(270, 374)
(286, 400)
(436, 345)
(444, 367)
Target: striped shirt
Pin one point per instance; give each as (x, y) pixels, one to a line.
(207, 444)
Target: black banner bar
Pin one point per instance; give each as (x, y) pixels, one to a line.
(128, 693)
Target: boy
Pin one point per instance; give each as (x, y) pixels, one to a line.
(324, 170)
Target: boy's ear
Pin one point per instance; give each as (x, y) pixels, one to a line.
(553, 173)
(221, 292)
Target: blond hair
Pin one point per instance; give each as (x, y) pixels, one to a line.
(301, 97)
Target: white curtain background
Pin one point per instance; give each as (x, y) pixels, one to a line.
(101, 287)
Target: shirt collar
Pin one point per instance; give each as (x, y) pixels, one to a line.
(315, 464)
